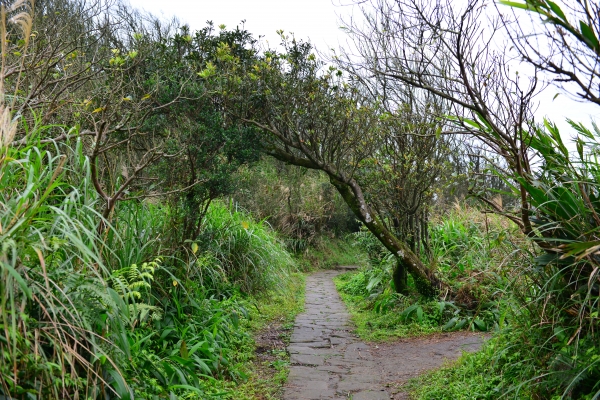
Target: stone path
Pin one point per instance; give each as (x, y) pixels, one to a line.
(330, 362)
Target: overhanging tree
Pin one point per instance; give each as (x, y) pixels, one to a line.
(313, 118)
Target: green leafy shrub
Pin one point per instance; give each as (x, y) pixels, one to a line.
(469, 249)
(84, 313)
(549, 348)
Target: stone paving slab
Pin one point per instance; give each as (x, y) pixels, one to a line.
(329, 362)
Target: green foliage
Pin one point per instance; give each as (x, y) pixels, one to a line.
(561, 285)
(139, 232)
(145, 324)
(133, 284)
(468, 250)
(99, 299)
(474, 376)
(210, 145)
(381, 316)
(300, 204)
(279, 309)
(370, 245)
(328, 253)
(203, 336)
(51, 272)
(549, 347)
(250, 255)
(554, 14)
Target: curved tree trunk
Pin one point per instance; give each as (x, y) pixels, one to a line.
(425, 281)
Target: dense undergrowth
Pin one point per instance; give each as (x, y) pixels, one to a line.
(124, 272)
(469, 249)
(87, 311)
(539, 295)
(548, 349)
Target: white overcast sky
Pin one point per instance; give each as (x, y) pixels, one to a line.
(316, 20)
(319, 21)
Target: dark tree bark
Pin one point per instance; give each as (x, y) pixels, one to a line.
(425, 280)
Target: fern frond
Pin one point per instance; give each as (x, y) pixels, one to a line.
(139, 284)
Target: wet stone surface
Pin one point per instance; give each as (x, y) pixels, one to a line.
(330, 362)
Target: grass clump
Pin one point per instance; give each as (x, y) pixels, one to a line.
(245, 253)
(472, 376)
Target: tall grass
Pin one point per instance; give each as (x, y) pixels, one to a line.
(114, 315)
(138, 234)
(49, 255)
(250, 256)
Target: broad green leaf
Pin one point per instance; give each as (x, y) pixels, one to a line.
(581, 249)
(201, 364)
(119, 385)
(556, 9)
(479, 324)
(460, 324)
(182, 361)
(589, 36)
(450, 324)
(514, 4)
(196, 347)
(471, 122)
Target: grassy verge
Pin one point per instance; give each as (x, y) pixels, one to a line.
(492, 373)
(468, 251)
(372, 325)
(265, 359)
(469, 377)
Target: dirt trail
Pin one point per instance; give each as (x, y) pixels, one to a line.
(330, 362)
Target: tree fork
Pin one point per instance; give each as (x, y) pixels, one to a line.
(425, 280)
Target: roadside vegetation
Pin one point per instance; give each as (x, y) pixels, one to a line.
(471, 250)
(115, 312)
(162, 191)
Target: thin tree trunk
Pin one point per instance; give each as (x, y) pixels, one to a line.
(400, 277)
